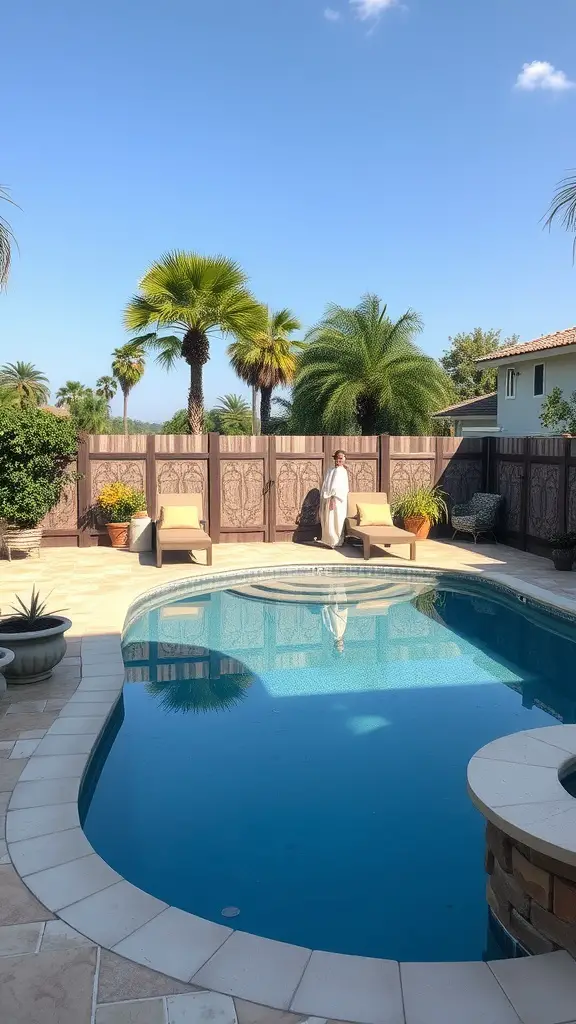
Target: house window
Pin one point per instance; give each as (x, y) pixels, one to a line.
(510, 382)
(539, 379)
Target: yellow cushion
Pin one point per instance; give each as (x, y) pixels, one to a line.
(375, 515)
(179, 517)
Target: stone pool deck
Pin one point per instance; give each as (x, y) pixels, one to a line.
(50, 973)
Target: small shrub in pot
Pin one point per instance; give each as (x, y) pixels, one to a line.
(36, 638)
(563, 545)
(117, 503)
(420, 508)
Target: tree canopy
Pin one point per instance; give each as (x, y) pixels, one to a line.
(469, 380)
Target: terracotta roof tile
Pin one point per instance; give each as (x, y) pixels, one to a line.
(557, 340)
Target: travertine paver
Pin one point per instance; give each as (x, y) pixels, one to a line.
(121, 979)
(17, 904)
(149, 1011)
(49, 988)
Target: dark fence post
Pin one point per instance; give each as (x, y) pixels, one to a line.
(151, 489)
(486, 463)
(438, 458)
(214, 486)
(384, 459)
(83, 491)
(563, 488)
(525, 493)
(270, 496)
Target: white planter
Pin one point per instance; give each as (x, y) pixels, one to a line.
(141, 534)
(35, 653)
(6, 657)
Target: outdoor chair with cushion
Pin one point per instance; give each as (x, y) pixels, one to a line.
(477, 516)
(180, 526)
(370, 520)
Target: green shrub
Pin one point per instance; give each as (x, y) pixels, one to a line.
(422, 502)
(36, 448)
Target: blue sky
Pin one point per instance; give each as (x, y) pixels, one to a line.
(332, 148)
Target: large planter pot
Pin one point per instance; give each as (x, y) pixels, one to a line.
(6, 657)
(418, 525)
(563, 559)
(35, 653)
(16, 539)
(118, 533)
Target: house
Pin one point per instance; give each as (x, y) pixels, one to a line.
(526, 374)
(476, 417)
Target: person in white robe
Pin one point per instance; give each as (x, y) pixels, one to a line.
(334, 502)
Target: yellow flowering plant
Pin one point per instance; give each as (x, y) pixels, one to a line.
(118, 502)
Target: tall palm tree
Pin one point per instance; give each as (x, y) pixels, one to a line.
(106, 387)
(563, 206)
(361, 370)
(267, 359)
(28, 385)
(69, 391)
(89, 412)
(128, 365)
(6, 242)
(233, 415)
(194, 296)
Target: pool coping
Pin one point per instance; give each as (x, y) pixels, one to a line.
(58, 864)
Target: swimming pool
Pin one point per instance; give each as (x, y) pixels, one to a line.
(289, 754)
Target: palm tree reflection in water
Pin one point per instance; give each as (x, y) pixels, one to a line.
(200, 696)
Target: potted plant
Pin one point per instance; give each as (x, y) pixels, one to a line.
(6, 657)
(36, 639)
(563, 545)
(36, 449)
(420, 508)
(117, 503)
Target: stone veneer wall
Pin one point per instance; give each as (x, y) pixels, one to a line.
(533, 896)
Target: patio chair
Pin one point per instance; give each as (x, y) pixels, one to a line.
(477, 516)
(181, 536)
(374, 536)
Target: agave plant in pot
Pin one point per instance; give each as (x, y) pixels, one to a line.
(117, 503)
(420, 508)
(563, 545)
(35, 637)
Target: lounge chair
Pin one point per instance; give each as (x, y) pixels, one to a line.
(477, 516)
(186, 538)
(377, 536)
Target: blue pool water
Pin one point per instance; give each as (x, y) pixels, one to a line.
(297, 749)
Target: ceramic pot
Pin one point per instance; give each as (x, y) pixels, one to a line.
(6, 657)
(563, 559)
(35, 653)
(118, 533)
(16, 539)
(418, 525)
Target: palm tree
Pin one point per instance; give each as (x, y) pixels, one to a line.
(89, 412)
(233, 415)
(128, 365)
(106, 387)
(267, 359)
(68, 392)
(563, 206)
(361, 370)
(195, 296)
(28, 385)
(6, 242)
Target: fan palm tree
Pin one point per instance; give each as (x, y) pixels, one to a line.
(106, 387)
(195, 296)
(267, 359)
(563, 206)
(89, 412)
(28, 385)
(233, 415)
(128, 365)
(361, 370)
(6, 242)
(68, 392)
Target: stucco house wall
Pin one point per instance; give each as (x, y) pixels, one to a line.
(520, 416)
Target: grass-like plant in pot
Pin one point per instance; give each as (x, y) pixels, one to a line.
(36, 638)
(563, 551)
(420, 508)
(36, 449)
(116, 504)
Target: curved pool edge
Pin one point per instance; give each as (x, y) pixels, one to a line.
(57, 863)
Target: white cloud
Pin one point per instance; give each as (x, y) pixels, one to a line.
(331, 15)
(366, 9)
(540, 74)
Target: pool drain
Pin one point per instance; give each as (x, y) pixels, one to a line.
(230, 912)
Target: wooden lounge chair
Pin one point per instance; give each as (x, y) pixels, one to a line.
(181, 539)
(377, 536)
